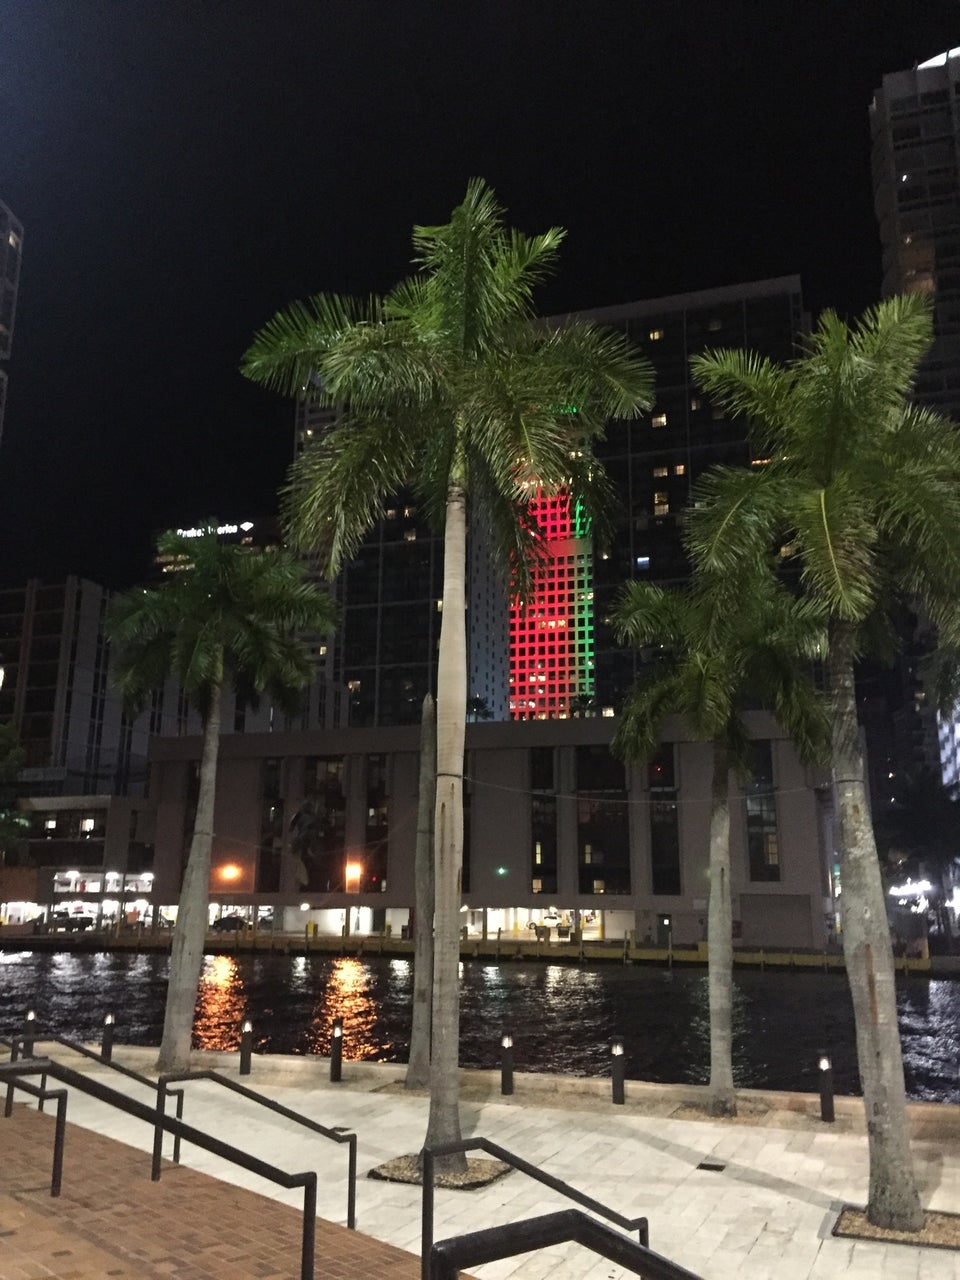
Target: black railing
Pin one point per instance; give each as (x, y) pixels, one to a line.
(430, 1154)
(75, 1080)
(12, 1069)
(448, 1257)
(22, 1042)
(335, 1134)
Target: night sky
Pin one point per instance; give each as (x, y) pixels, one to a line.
(183, 168)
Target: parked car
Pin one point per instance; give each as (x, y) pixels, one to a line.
(71, 924)
(228, 924)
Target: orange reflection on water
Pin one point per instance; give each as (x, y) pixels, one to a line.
(221, 1005)
(346, 996)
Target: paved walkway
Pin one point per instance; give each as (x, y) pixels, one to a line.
(767, 1215)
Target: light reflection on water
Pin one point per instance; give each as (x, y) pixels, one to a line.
(562, 1017)
(221, 1005)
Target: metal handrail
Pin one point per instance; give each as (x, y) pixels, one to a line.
(448, 1257)
(11, 1068)
(335, 1134)
(103, 1093)
(430, 1154)
(22, 1041)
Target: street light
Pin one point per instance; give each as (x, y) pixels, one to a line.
(352, 873)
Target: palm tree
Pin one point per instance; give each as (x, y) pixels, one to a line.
(456, 392)
(711, 653)
(229, 615)
(858, 494)
(418, 1064)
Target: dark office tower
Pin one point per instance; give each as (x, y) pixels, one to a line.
(11, 243)
(915, 125)
(55, 689)
(654, 460)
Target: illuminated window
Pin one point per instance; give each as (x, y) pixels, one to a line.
(695, 403)
(409, 511)
(391, 513)
(643, 562)
(656, 335)
(410, 535)
(322, 651)
(659, 419)
(660, 471)
(679, 469)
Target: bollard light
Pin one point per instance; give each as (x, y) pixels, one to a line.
(825, 1067)
(29, 1028)
(506, 1065)
(106, 1042)
(336, 1051)
(246, 1047)
(618, 1072)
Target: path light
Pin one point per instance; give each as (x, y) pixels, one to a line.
(336, 1051)
(246, 1047)
(506, 1065)
(618, 1072)
(106, 1043)
(29, 1027)
(826, 1087)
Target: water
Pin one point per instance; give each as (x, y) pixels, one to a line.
(562, 1017)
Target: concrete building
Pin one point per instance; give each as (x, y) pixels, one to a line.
(319, 829)
(11, 250)
(915, 128)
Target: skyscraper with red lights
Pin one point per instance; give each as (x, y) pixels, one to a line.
(551, 630)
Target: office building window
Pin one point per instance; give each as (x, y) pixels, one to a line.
(763, 841)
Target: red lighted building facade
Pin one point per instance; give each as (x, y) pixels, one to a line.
(551, 630)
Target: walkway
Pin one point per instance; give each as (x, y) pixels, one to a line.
(112, 1221)
(767, 1215)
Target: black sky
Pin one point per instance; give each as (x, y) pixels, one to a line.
(185, 167)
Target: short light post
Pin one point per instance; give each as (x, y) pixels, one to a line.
(336, 1051)
(618, 1072)
(106, 1040)
(506, 1065)
(825, 1071)
(29, 1030)
(246, 1047)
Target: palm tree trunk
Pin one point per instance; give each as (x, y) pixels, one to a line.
(722, 1098)
(444, 1122)
(893, 1198)
(418, 1066)
(186, 952)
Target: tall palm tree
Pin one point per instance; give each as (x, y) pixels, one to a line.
(711, 653)
(859, 496)
(229, 615)
(455, 391)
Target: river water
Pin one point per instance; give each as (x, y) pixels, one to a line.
(562, 1017)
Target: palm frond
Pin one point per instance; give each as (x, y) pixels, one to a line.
(338, 486)
(286, 351)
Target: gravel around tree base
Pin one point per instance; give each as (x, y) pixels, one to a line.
(480, 1173)
(939, 1231)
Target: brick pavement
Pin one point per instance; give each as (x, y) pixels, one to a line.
(111, 1221)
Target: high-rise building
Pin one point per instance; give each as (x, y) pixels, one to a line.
(11, 244)
(389, 594)
(915, 127)
(655, 460)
